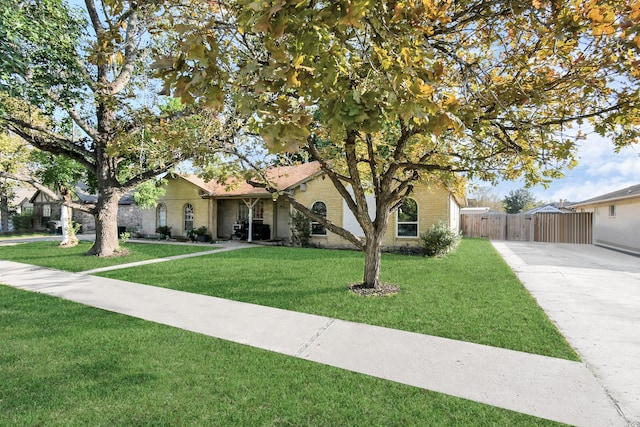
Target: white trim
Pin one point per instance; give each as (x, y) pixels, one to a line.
(416, 222)
(326, 208)
(158, 216)
(184, 216)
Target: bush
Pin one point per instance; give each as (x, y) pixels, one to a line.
(23, 223)
(405, 250)
(439, 240)
(164, 232)
(300, 229)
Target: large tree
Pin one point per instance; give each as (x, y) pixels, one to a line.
(75, 82)
(386, 93)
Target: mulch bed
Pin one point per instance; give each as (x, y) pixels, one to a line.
(383, 290)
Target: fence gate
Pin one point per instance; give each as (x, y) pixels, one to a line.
(540, 227)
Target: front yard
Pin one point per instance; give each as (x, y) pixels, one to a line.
(67, 364)
(64, 364)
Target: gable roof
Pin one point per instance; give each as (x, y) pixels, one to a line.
(282, 177)
(549, 208)
(625, 193)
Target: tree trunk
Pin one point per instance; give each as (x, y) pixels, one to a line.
(69, 238)
(373, 247)
(106, 217)
(373, 253)
(4, 211)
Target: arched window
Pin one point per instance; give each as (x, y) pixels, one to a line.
(161, 215)
(320, 209)
(188, 216)
(407, 219)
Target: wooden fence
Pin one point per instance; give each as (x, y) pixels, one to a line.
(540, 227)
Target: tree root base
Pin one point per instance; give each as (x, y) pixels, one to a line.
(382, 290)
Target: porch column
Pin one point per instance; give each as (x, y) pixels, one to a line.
(250, 204)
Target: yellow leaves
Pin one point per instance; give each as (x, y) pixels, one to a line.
(601, 17)
(386, 60)
(292, 79)
(420, 89)
(284, 137)
(635, 11)
(354, 12)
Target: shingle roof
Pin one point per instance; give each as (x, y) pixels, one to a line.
(633, 191)
(282, 177)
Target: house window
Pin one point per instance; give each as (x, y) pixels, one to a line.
(320, 209)
(408, 219)
(46, 215)
(243, 211)
(188, 216)
(612, 210)
(161, 215)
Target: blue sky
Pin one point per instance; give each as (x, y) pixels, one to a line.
(599, 171)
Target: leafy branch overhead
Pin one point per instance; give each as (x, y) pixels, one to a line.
(488, 88)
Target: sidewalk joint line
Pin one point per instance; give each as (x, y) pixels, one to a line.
(320, 331)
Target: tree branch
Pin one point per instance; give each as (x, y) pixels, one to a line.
(130, 55)
(90, 209)
(57, 144)
(357, 241)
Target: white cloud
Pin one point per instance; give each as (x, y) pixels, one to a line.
(600, 170)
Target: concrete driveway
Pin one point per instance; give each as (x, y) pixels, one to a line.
(593, 296)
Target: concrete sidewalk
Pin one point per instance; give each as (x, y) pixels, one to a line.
(549, 388)
(592, 294)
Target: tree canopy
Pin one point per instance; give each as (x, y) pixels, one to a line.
(386, 93)
(518, 200)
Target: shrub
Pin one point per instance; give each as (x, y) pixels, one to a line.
(124, 237)
(23, 223)
(439, 240)
(300, 229)
(164, 232)
(405, 250)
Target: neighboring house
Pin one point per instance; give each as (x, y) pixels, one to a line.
(47, 211)
(616, 218)
(556, 207)
(18, 203)
(22, 198)
(475, 211)
(227, 209)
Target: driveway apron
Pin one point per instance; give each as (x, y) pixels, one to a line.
(592, 294)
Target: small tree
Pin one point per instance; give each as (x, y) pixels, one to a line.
(518, 201)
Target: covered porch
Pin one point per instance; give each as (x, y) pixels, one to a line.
(252, 218)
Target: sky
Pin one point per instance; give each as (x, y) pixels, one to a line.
(599, 171)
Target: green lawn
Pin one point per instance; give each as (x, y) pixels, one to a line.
(49, 254)
(12, 235)
(470, 295)
(64, 364)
